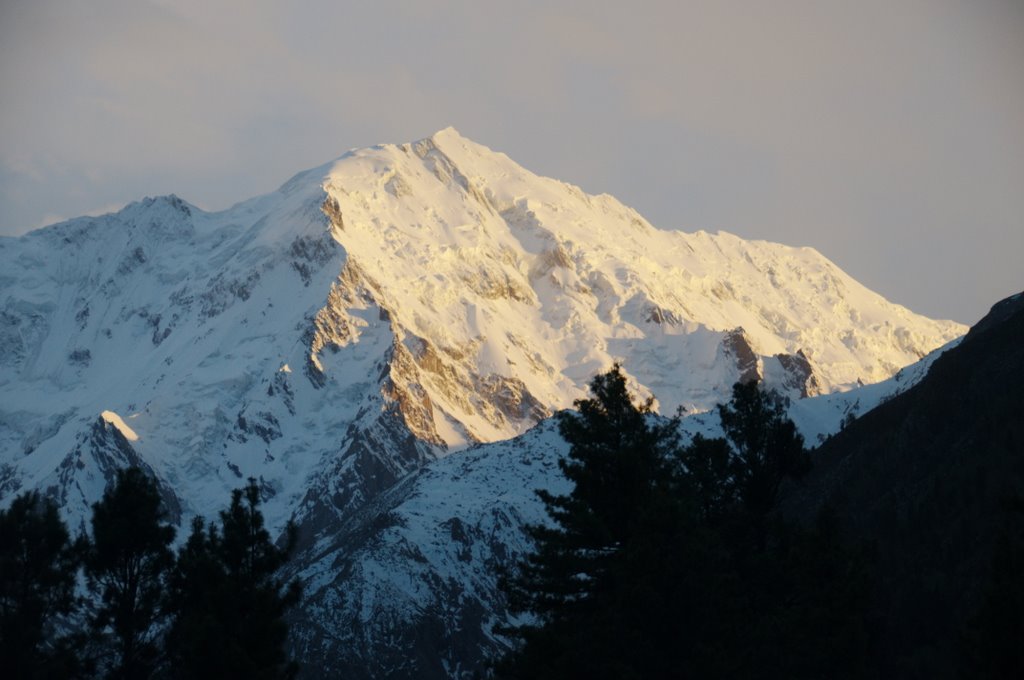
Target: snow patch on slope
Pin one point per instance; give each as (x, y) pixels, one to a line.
(122, 427)
(489, 271)
(411, 587)
(426, 297)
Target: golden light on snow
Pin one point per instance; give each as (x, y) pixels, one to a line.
(119, 423)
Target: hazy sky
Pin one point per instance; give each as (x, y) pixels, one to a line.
(888, 135)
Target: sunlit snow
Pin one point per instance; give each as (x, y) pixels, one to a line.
(435, 282)
(117, 422)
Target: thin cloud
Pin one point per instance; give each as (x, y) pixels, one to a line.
(888, 136)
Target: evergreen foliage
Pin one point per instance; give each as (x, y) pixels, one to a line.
(126, 565)
(38, 563)
(227, 600)
(671, 561)
(215, 611)
(766, 446)
(619, 464)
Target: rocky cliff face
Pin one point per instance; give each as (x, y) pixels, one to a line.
(382, 311)
(409, 587)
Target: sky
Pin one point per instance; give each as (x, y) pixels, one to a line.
(888, 135)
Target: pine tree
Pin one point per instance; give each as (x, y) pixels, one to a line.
(228, 599)
(38, 564)
(671, 561)
(197, 599)
(575, 583)
(767, 449)
(803, 590)
(126, 565)
(711, 467)
(617, 457)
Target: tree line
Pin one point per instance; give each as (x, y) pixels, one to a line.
(669, 560)
(120, 603)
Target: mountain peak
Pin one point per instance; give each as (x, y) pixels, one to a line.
(428, 295)
(449, 133)
(380, 312)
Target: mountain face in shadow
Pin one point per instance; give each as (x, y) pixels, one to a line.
(934, 480)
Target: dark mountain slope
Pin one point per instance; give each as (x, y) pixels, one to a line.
(929, 478)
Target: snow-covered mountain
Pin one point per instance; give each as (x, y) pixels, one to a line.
(410, 586)
(383, 311)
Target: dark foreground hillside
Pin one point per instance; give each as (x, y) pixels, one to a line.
(934, 479)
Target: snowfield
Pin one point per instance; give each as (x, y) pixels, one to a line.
(369, 340)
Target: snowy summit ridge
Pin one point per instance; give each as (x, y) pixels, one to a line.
(434, 294)
(333, 339)
(537, 282)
